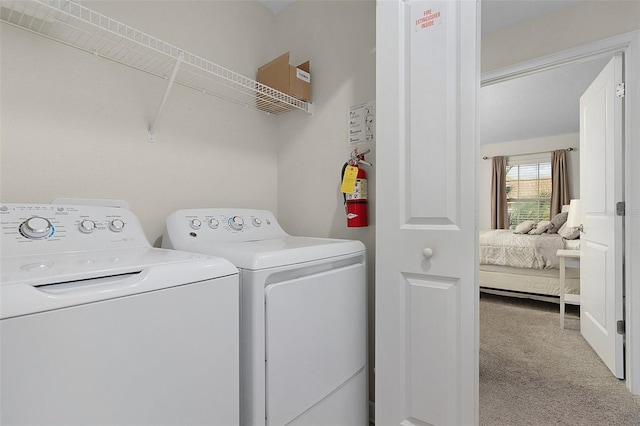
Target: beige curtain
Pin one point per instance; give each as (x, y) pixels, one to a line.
(559, 182)
(499, 216)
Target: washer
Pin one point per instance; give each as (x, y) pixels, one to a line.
(303, 316)
(98, 327)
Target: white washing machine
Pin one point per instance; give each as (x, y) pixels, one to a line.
(303, 316)
(99, 328)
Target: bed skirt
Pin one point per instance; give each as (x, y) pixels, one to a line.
(528, 281)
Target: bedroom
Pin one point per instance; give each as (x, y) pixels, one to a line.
(526, 130)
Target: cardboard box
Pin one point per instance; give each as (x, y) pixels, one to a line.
(294, 81)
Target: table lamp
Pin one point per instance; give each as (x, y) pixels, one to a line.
(574, 219)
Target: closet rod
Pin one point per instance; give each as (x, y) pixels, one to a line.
(539, 152)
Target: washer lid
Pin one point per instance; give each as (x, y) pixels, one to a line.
(43, 282)
(271, 253)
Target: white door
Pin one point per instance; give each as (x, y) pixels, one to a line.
(426, 255)
(601, 242)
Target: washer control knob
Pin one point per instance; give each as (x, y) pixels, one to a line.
(195, 223)
(236, 222)
(256, 222)
(213, 223)
(87, 226)
(36, 228)
(116, 225)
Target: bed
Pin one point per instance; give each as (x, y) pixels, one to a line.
(525, 265)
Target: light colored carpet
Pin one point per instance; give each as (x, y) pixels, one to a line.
(534, 373)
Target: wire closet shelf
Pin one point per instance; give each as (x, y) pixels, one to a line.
(80, 27)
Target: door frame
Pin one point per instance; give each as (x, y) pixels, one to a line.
(629, 45)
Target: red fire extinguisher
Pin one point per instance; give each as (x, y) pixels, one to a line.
(356, 202)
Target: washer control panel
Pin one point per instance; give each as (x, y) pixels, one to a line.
(48, 228)
(221, 225)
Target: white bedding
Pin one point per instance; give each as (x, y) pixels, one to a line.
(504, 248)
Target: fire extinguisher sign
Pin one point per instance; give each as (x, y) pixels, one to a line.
(362, 123)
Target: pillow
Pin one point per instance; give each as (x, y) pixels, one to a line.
(568, 232)
(541, 227)
(524, 227)
(557, 222)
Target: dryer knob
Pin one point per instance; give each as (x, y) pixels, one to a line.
(236, 222)
(195, 223)
(87, 226)
(36, 228)
(213, 223)
(256, 222)
(116, 225)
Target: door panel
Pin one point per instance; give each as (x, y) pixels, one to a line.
(595, 266)
(431, 145)
(429, 297)
(594, 151)
(601, 163)
(426, 297)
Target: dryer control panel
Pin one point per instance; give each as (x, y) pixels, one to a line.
(28, 229)
(216, 225)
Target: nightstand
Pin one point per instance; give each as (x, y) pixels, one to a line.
(573, 257)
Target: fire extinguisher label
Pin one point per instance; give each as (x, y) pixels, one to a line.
(351, 216)
(360, 192)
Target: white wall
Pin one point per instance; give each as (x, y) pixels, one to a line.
(75, 125)
(584, 23)
(525, 147)
(338, 37)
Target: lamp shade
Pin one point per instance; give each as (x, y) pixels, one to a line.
(574, 219)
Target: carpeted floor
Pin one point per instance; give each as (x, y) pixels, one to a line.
(534, 373)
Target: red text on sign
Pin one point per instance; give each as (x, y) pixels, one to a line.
(428, 19)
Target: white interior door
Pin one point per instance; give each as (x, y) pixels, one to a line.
(426, 250)
(601, 242)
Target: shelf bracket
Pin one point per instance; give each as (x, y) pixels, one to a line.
(176, 67)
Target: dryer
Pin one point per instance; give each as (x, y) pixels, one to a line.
(303, 315)
(98, 327)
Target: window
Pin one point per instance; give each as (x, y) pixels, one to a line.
(528, 192)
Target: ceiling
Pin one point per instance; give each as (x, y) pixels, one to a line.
(538, 105)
